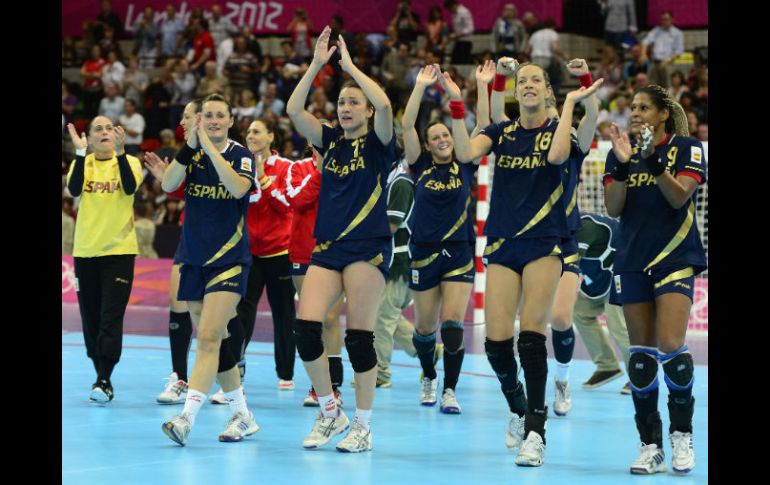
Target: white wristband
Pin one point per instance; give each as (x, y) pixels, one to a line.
(81, 152)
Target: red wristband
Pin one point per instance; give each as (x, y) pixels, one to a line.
(499, 84)
(586, 80)
(458, 110)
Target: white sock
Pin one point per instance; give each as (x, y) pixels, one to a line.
(193, 403)
(364, 417)
(237, 401)
(562, 371)
(328, 406)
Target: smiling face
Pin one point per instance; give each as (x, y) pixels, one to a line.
(353, 110)
(643, 110)
(258, 138)
(440, 142)
(216, 120)
(531, 87)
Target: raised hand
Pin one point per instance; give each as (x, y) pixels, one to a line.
(259, 164)
(578, 67)
(645, 140)
(155, 165)
(582, 93)
(120, 140)
(322, 50)
(346, 63)
(191, 131)
(80, 142)
(204, 139)
(486, 74)
(621, 145)
(427, 76)
(451, 88)
(507, 66)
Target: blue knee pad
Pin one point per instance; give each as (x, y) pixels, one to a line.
(643, 369)
(678, 369)
(452, 336)
(307, 335)
(360, 345)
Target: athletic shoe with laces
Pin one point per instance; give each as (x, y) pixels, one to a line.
(284, 385)
(449, 404)
(311, 400)
(514, 435)
(683, 456)
(650, 460)
(532, 450)
(178, 428)
(175, 391)
(428, 392)
(436, 357)
(324, 429)
(601, 377)
(357, 440)
(238, 427)
(101, 392)
(218, 397)
(562, 402)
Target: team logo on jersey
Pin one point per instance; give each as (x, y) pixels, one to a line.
(415, 277)
(617, 283)
(696, 153)
(246, 164)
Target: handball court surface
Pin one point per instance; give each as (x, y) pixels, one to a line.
(122, 443)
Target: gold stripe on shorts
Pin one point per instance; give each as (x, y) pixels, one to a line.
(235, 270)
(229, 244)
(424, 262)
(377, 260)
(572, 258)
(676, 275)
(322, 247)
(459, 271)
(494, 247)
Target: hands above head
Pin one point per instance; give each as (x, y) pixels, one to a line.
(346, 63)
(427, 76)
(507, 66)
(485, 74)
(451, 88)
(80, 142)
(582, 93)
(578, 67)
(322, 51)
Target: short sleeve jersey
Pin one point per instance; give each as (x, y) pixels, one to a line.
(652, 233)
(214, 232)
(597, 239)
(351, 204)
(442, 201)
(527, 192)
(574, 165)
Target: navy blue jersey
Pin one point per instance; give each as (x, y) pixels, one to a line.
(571, 180)
(352, 204)
(652, 233)
(442, 201)
(214, 232)
(527, 191)
(597, 240)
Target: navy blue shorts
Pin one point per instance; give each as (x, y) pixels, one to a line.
(197, 281)
(642, 286)
(442, 262)
(339, 254)
(517, 253)
(299, 269)
(571, 255)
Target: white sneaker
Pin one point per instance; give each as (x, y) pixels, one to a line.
(238, 427)
(358, 439)
(324, 429)
(285, 385)
(562, 402)
(178, 428)
(311, 400)
(218, 397)
(650, 460)
(449, 404)
(514, 435)
(532, 451)
(175, 391)
(683, 456)
(428, 393)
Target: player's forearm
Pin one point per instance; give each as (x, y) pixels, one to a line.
(615, 197)
(173, 177)
(675, 193)
(560, 146)
(233, 182)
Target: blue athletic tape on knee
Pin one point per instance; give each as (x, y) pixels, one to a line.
(226, 359)
(307, 335)
(452, 336)
(678, 371)
(360, 345)
(643, 369)
(533, 354)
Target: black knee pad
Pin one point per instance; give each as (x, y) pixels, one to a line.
(307, 335)
(452, 336)
(501, 357)
(360, 345)
(642, 370)
(533, 354)
(678, 371)
(226, 359)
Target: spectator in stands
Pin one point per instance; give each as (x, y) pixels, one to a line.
(166, 151)
(69, 53)
(170, 212)
(91, 71)
(267, 73)
(182, 90)
(641, 80)
(68, 102)
(171, 29)
(110, 42)
(145, 230)
(701, 89)
(288, 149)
(665, 44)
(133, 123)
(135, 81)
(543, 49)
(621, 114)
(146, 38)
(531, 24)
(240, 67)
(245, 108)
(405, 23)
(212, 82)
(301, 29)
(107, 18)
(220, 27)
(638, 62)
(114, 70)
(157, 100)
(603, 130)
(252, 44)
(203, 47)
(678, 86)
(611, 70)
(294, 66)
(620, 19)
(508, 33)
(703, 131)
(270, 102)
(436, 32)
(692, 123)
(320, 105)
(112, 104)
(67, 226)
(462, 29)
(394, 68)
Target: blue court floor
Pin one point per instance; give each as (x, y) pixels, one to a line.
(122, 443)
